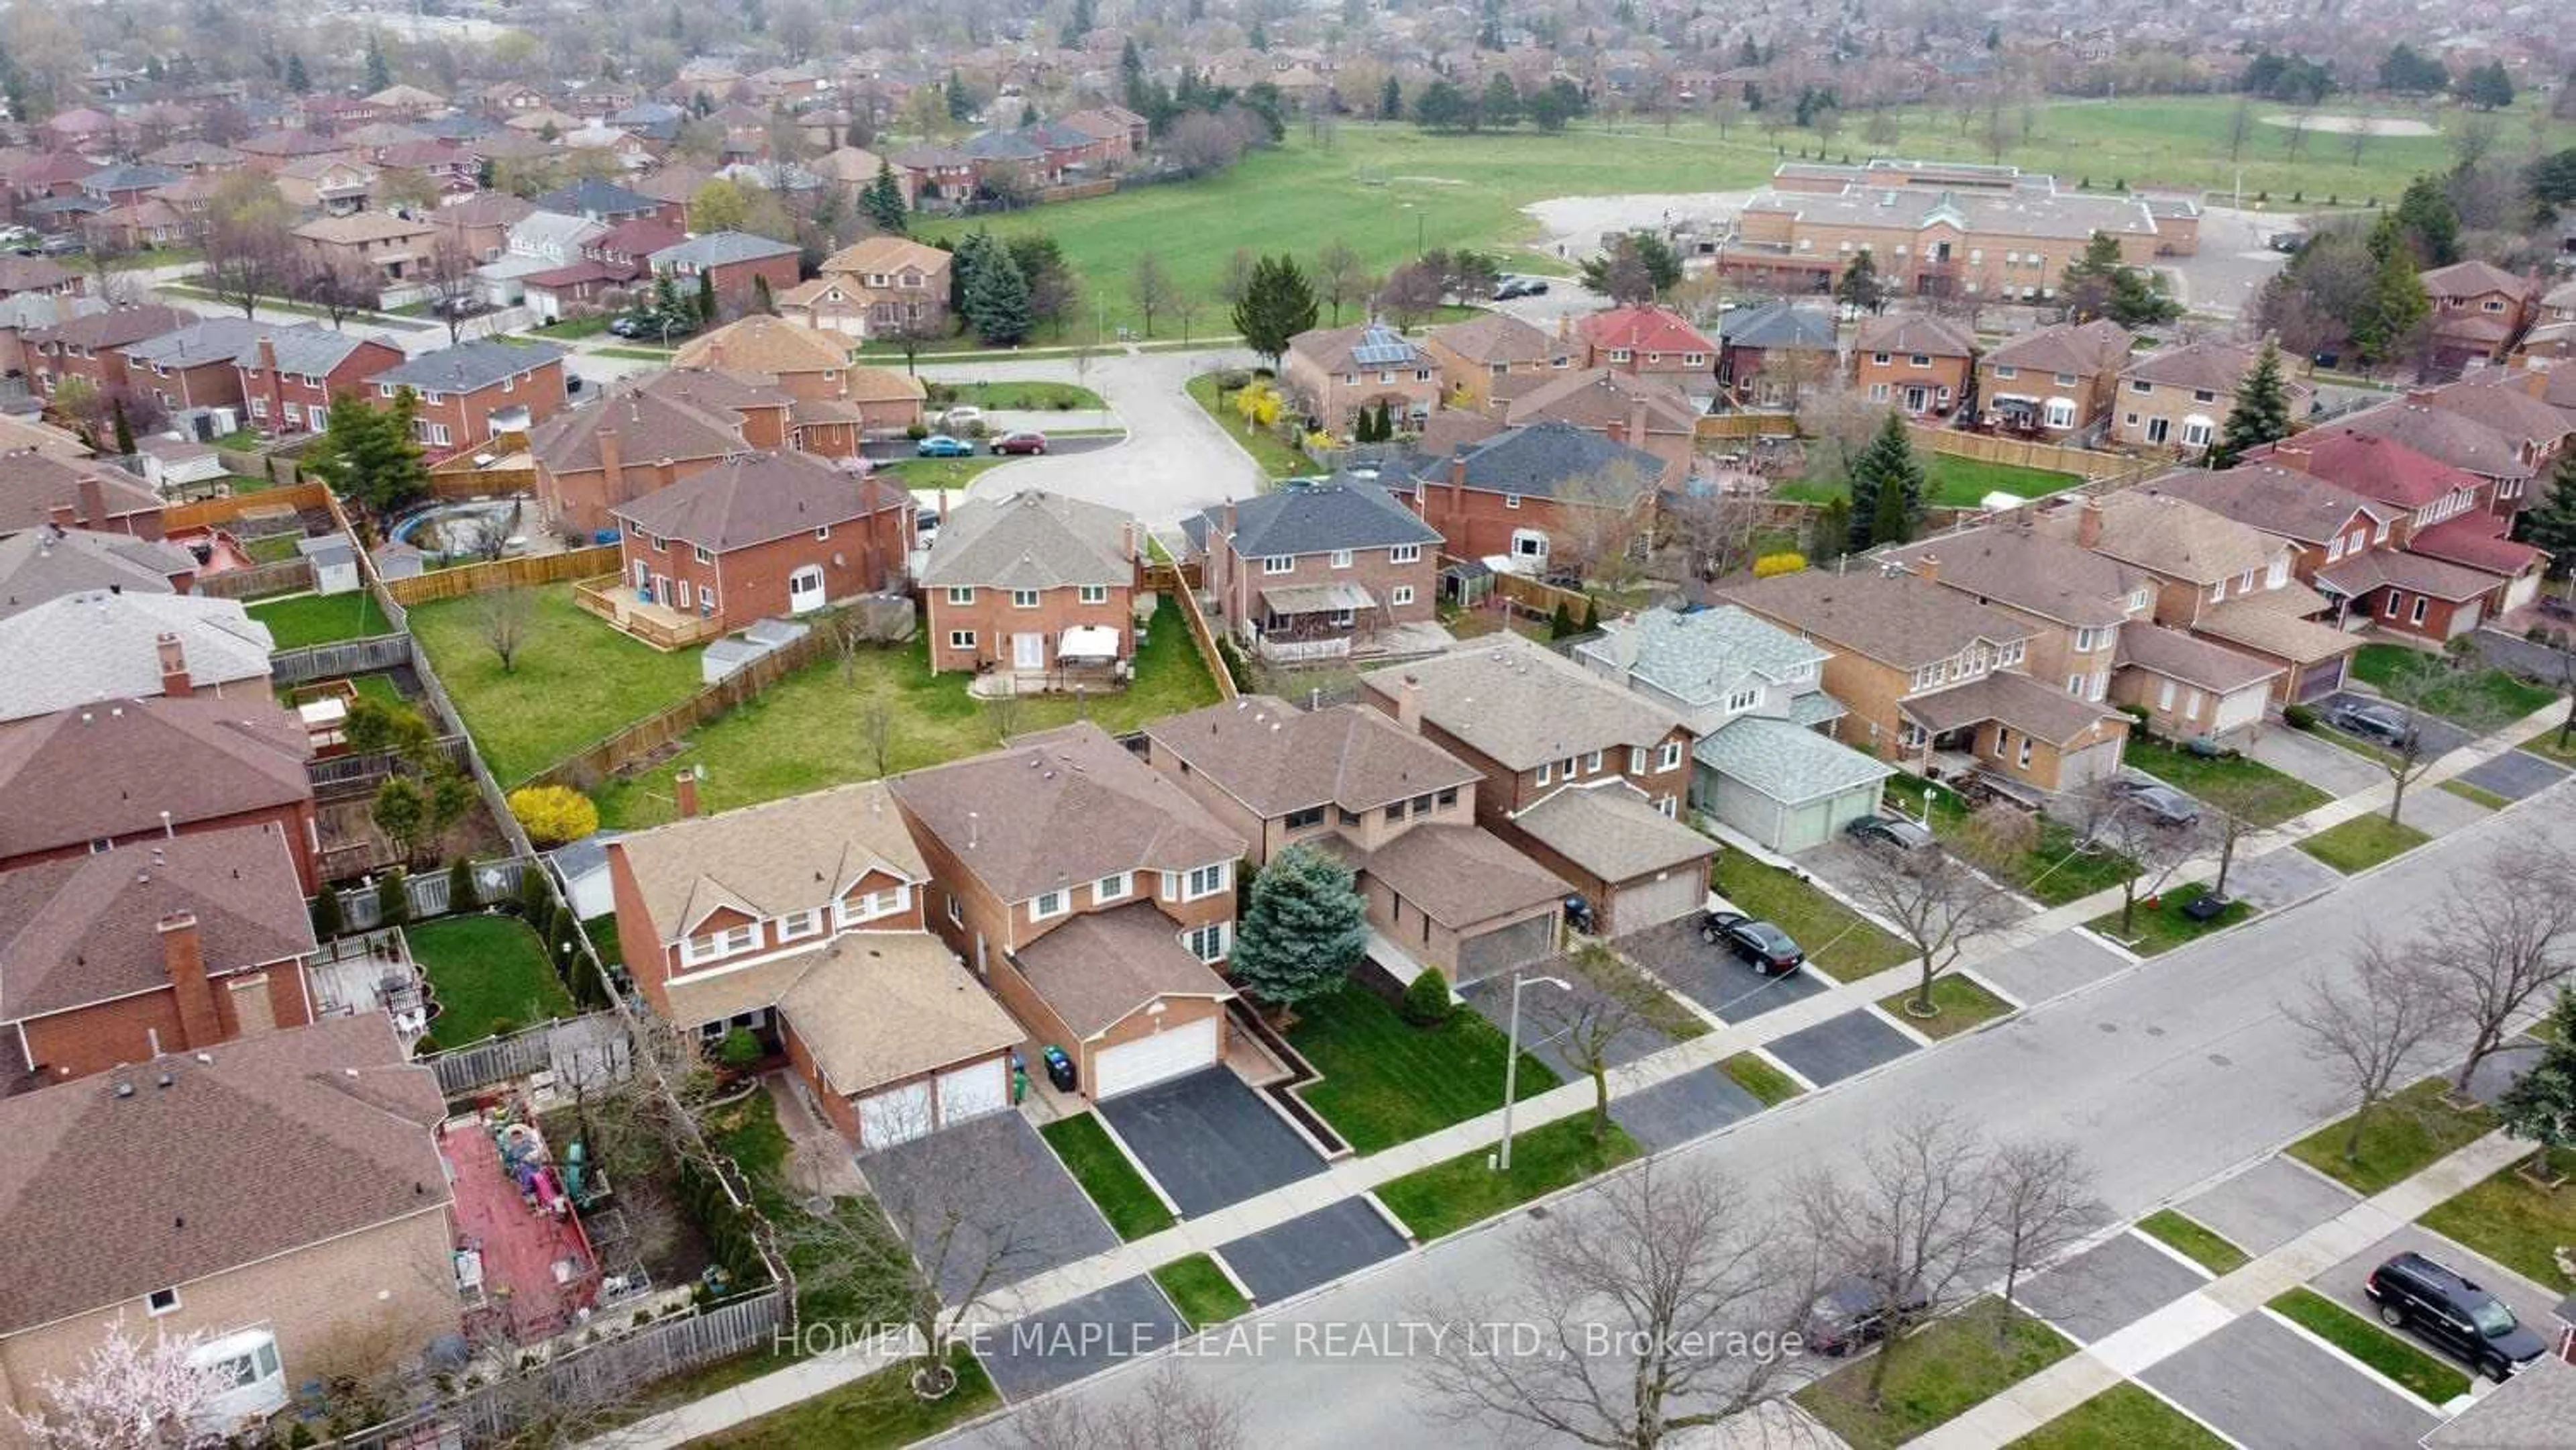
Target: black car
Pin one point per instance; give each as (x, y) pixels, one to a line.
(2383, 723)
(2415, 1293)
(1890, 833)
(1853, 1315)
(1766, 948)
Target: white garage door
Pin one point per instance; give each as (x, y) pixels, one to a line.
(1149, 1060)
(1652, 902)
(972, 1091)
(897, 1115)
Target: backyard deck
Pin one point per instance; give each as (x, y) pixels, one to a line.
(537, 1270)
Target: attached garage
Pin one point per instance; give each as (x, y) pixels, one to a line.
(1119, 992)
(895, 1039)
(1458, 900)
(897, 1115)
(1504, 948)
(1636, 866)
(1158, 1057)
(1787, 787)
(1667, 895)
(2093, 764)
(974, 1090)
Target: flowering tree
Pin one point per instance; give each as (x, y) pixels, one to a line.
(127, 1396)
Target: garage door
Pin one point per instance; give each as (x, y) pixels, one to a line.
(972, 1091)
(1506, 947)
(897, 1115)
(1654, 901)
(2090, 764)
(1149, 1060)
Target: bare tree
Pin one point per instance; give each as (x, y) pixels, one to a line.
(249, 255)
(503, 617)
(1185, 306)
(2373, 1030)
(1605, 523)
(2503, 933)
(337, 288)
(2109, 820)
(1151, 287)
(2240, 125)
(2040, 1201)
(1645, 1303)
(1170, 1411)
(1937, 903)
(911, 335)
(1912, 1231)
(451, 277)
(1842, 418)
(876, 732)
(1411, 294)
(1002, 712)
(2237, 810)
(1341, 276)
(2412, 689)
(113, 277)
(1235, 279)
(1713, 531)
(1586, 1029)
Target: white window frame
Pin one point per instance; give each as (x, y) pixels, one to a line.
(1511, 500)
(1279, 564)
(156, 1310)
(961, 639)
(1024, 598)
(1093, 594)
(1040, 910)
(1591, 764)
(1210, 943)
(1404, 554)
(1400, 595)
(1668, 756)
(790, 929)
(1205, 881)
(1546, 773)
(961, 593)
(1341, 558)
(1744, 699)
(1110, 888)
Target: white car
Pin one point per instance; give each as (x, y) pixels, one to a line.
(959, 416)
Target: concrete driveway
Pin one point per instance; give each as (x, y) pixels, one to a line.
(1676, 1110)
(2109, 1287)
(1209, 1140)
(1712, 976)
(2529, 1302)
(1841, 1047)
(1081, 1337)
(2318, 761)
(2269, 1204)
(1005, 1178)
(2267, 1387)
(1312, 1249)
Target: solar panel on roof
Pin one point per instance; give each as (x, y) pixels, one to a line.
(1379, 347)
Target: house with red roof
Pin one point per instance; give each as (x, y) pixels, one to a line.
(1652, 342)
(2461, 563)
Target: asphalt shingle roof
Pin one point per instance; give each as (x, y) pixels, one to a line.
(715, 249)
(1522, 704)
(83, 648)
(1548, 460)
(1347, 513)
(468, 366)
(1697, 658)
(1786, 761)
(1031, 540)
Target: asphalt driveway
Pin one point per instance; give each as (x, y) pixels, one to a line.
(2266, 1387)
(1714, 977)
(1080, 1337)
(1312, 1249)
(2109, 1287)
(2034, 972)
(2515, 775)
(1841, 1047)
(1005, 1180)
(1210, 1140)
(2529, 1302)
(2318, 761)
(2440, 736)
(2269, 1204)
(2281, 878)
(1676, 1110)
(1545, 1013)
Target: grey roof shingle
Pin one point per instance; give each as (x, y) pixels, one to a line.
(716, 249)
(1781, 324)
(594, 198)
(1612, 833)
(468, 367)
(108, 770)
(2050, 577)
(1698, 658)
(1547, 460)
(1789, 762)
(312, 351)
(1521, 704)
(46, 563)
(1031, 540)
(770, 859)
(82, 648)
(1898, 620)
(213, 339)
(1276, 758)
(1346, 513)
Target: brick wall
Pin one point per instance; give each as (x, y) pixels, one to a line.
(96, 1038)
(269, 395)
(1942, 380)
(856, 557)
(993, 620)
(467, 417)
(294, 821)
(1238, 582)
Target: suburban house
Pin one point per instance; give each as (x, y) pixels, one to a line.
(800, 921)
(210, 1242)
(875, 287)
(593, 199)
(37, 276)
(380, 244)
(2191, 688)
(1641, 413)
(1035, 584)
(1094, 897)
(2073, 600)
(1937, 682)
(1470, 355)
(1585, 778)
(1915, 362)
(1332, 373)
(2427, 508)
(79, 649)
(49, 561)
(289, 376)
(162, 946)
(2056, 382)
(1773, 355)
(333, 185)
(110, 775)
(1765, 761)
(1651, 342)
(2514, 405)
(541, 243)
(2479, 311)
(1542, 499)
(39, 488)
(765, 534)
(481, 223)
(813, 366)
(2178, 398)
(1442, 892)
(92, 347)
(739, 266)
(1312, 571)
(649, 435)
(471, 392)
(192, 366)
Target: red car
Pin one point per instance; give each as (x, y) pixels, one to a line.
(1028, 442)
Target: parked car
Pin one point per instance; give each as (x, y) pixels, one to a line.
(940, 445)
(2437, 1304)
(62, 244)
(925, 527)
(2385, 724)
(1764, 947)
(1853, 1315)
(1025, 441)
(961, 417)
(1889, 833)
(2162, 803)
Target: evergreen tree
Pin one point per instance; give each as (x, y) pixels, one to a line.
(2551, 525)
(997, 300)
(1304, 930)
(368, 456)
(1138, 94)
(1860, 288)
(124, 431)
(328, 921)
(1080, 25)
(380, 71)
(1390, 100)
(1277, 305)
(1502, 102)
(1887, 488)
(460, 885)
(706, 299)
(883, 201)
(1440, 106)
(2486, 87)
(296, 79)
(2394, 306)
(393, 890)
(2540, 1106)
(2262, 411)
(961, 106)
(2430, 223)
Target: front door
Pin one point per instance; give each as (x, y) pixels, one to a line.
(805, 589)
(1028, 651)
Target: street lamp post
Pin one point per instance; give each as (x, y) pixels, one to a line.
(1512, 1062)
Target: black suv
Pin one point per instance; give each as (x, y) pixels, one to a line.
(2415, 1293)
(2384, 724)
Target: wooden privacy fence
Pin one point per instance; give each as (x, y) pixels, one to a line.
(286, 576)
(591, 1050)
(2020, 452)
(180, 518)
(1540, 598)
(1205, 639)
(341, 777)
(1710, 427)
(340, 657)
(484, 483)
(584, 769)
(504, 574)
(493, 881)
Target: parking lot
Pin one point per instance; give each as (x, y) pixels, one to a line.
(2266, 1386)
(1209, 1140)
(1004, 1176)
(1841, 1047)
(1312, 1249)
(1712, 976)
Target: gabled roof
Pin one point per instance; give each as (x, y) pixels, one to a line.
(1592, 398)
(486, 209)
(1609, 831)
(1031, 540)
(2497, 399)
(469, 366)
(79, 649)
(1060, 809)
(2276, 499)
(1317, 518)
(2358, 574)
(47, 562)
(769, 859)
(885, 254)
(207, 340)
(681, 414)
(764, 344)
(1497, 337)
(2174, 537)
(314, 351)
(1644, 330)
(30, 274)
(1790, 762)
(2474, 278)
(2442, 434)
(129, 176)
(1547, 460)
(33, 483)
(1103, 966)
(1277, 759)
(1697, 658)
(2029, 571)
(361, 227)
(2013, 700)
(2477, 540)
(1915, 332)
(875, 1007)
(756, 499)
(1360, 347)
(1521, 704)
(116, 767)
(716, 249)
(2373, 465)
(2203, 366)
(1896, 619)
(113, 328)
(1782, 324)
(2192, 660)
(238, 1143)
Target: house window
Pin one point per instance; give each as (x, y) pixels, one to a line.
(797, 924)
(1093, 594)
(2334, 548)
(1591, 764)
(1882, 359)
(1341, 558)
(699, 552)
(1400, 595)
(1918, 360)
(2195, 432)
(2279, 574)
(1395, 812)
(2218, 592)
(1546, 772)
(162, 1301)
(1744, 699)
(2422, 604)
(1668, 756)
(1050, 903)
(2142, 388)
(2245, 582)
(2007, 371)
(961, 639)
(1024, 599)
(1208, 943)
(1404, 554)
(1511, 500)
(1528, 544)
(2165, 695)
(1110, 888)
(1306, 819)
(2390, 603)
(1205, 881)
(2061, 413)
(822, 533)
(1878, 392)
(2075, 686)
(2088, 640)
(961, 594)
(2023, 759)
(1448, 797)
(1279, 564)
(956, 911)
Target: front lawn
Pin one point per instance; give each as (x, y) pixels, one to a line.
(1201, 1291)
(1755, 1074)
(2124, 1416)
(571, 327)
(2194, 1241)
(802, 734)
(2052, 872)
(1958, 1004)
(1446, 1197)
(2545, 745)
(309, 619)
(2419, 1373)
(2239, 785)
(2157, 929)
(1839, 942)
(1277, 459)
(2363, 842)
(1644, 998)
(1125, 1199)
(575, 680)
(1941, 1372)
(1386, 1081)
(1025, 396)
(2480, 698)
(2513, 1221)
(877, 1411)
(490, 975)
(957, 473)
(2404, 1135)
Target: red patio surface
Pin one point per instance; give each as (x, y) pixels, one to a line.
(525, 1297)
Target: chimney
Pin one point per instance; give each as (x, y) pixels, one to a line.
(2421, 395)
(93, 501)
(1127, 539)
(1636, 421)
(1457, 488)
(268, 355)
(185, 957)
(2088, 524)
(612, 470)
(1565, 327)
(174, 665)
(684, 793)
(62, 516)
(1408, 704)
(1928, 568)
(943, 504)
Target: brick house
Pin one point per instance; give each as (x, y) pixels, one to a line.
(739, 264)
(2177, 398)
(163, 946)
(2479, 311)
(1584, 778)
(2054, 382)
(594, 199)
(41, 276)
(481, 223)
(1033, 583)
(92, 347)
(474, 391)
(1622, 407)
(289, 375)
(331, 185)
(875, 287)
(192, 367)
(768, 534)
(1318, 570)
(1774, 355)
(1442, 892)
(78, 649)
(1651, 342)
(2190, 687)
(2430, 508)
(1331, 373)
(378, 244)
(801, 921)
(1914, 362)
(1544, 497)
(1093, 896)
(37, 489)
(1474, 354)
(285, 1288)
(649, 435)
(808, 364)
(1122, 133)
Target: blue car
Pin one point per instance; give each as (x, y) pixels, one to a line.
(940, 445)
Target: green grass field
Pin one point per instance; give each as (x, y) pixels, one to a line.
(1105, 1174)
(1944, 1370)
(2239, 785)
(2421, 1374)
(2481, 699)
(2362, 842)
(490, 975)
(1450, 1195)
(1276, 459)
(1958, 1005)
(1201, 1291)
(2405, 1134)
(1386, 1080)
(574, 682)
(1769, 1085)
(877, 1411)
(2164, 926)
(2513, 1221)
(1954, 482)
(1839, 942)
(310, 619)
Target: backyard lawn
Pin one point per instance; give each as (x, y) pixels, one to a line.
(2479, 698)
(1104, 1173)
(1752, 1072)
(2239, 785)
(2420, 1373)
(2513, 1221)
(1951, 481)
(1449, 1196)
(309, 619)
(490, 975)
(2162, 927)
(575, 682)
(272, 548)
(2194, 1241)
(2124, 1416)
(1201, 1291)
(1276, 459)
(1958, 1002)
(1386, 1081)
(803, 734)
(1944, 1370)
(1838, 941)
(2362, 842)
(2409, 1132)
